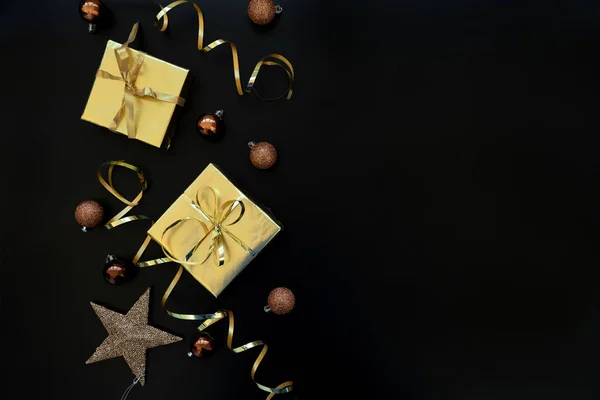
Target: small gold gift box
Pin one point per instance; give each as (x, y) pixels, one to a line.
(213, 230)
(136, 94)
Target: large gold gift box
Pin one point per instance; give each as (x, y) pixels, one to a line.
(179, 229)
(153, 118)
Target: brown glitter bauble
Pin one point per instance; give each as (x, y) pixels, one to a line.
(263, 155)
(210, 124)
(203, 346)
(89, 214)
(261, 12)
(117, 271)
(281, 300)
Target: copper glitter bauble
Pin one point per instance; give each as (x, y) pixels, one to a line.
(281, 301)
(262, 12)
(89, 214)
(203, 346)
(90, 11)
(117, 271)
(210, 124)
(263, 155)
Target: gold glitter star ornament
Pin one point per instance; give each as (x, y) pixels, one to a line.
(129, 336)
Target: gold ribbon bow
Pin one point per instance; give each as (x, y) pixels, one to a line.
(273, 59)
(215, 225)
(129, 74)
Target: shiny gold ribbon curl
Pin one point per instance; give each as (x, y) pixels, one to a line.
(284, 387)
(215, 225)
(273, 59)
(119, 218)
(210, 319)
(129, 73)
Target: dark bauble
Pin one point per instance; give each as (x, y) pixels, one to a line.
(117, 271)
(210, 124)
(203, 346)
(281, 301)
(263, 155)
(89, 214)
(91, 11)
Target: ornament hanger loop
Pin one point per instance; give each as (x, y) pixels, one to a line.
(130, 387)
(137, 379)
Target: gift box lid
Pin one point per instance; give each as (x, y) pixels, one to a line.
(256, 228)
(152, 117)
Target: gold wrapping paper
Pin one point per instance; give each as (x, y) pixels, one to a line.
(153, 118)
(255, 229)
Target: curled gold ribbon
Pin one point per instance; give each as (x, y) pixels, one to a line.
(217, 228)
(273, 59)
(119, 218)
(129, 74)
(284, 387)
(210, 319)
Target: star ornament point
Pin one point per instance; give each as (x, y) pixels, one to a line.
(130, 336)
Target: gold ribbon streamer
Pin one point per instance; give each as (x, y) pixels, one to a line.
(217, 227)
(129, 74)
(284, 387)
(210, 319)
(273, 59)
(119, 218)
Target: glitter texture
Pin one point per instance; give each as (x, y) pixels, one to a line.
(261, 12)
(263, 155)
(130, 336)
(281, 300)
(89, 214)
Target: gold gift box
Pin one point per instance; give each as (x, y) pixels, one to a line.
(255, 229)
(153, 118)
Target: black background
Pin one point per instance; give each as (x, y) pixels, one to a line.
(437, 184)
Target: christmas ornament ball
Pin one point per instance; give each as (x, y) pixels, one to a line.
(209, 125)
(117, 271)
(263, 155)
(91, 12)
(203, 346)
(261, 12)
(90, 9)
(281, 301)
(89, 214)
